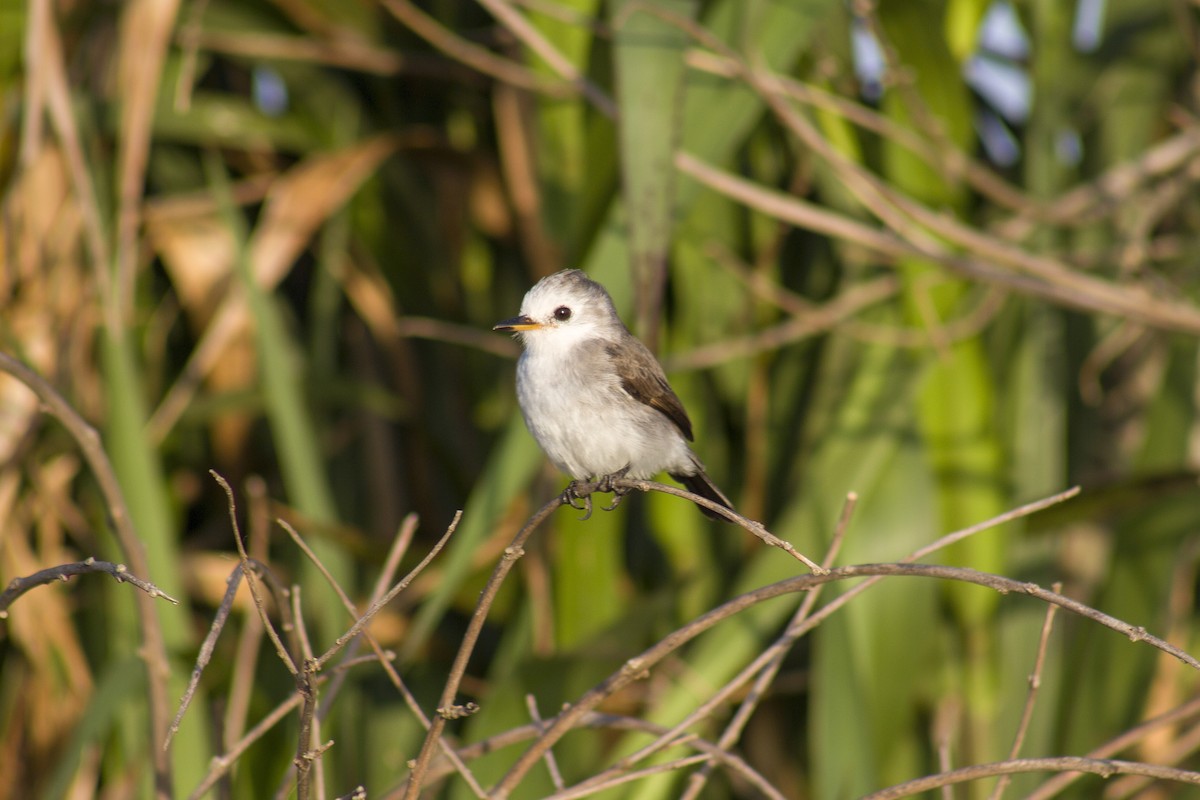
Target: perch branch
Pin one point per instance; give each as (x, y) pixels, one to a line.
(582, 489)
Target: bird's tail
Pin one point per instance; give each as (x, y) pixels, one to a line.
(699, 483)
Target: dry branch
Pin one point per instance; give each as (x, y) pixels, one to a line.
(19, 586)
(153, 649)
(1103, 768)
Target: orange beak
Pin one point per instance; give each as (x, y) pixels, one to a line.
(521, 323)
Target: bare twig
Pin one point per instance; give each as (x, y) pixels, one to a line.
(214, 631)
(473, 55)
(531, 37)
(777, 651)
(252, 570)
(222, 764)
(361, 621)
(632, 775)
(638, 667)
(153, 649)
(730, 761)
(1035, 682)
(1103, 768)
(391, 563)
(250, 639)
(556, 777)
(582, 489)
(283, 606)
(458, 669)
(1125, 739)
(306, 687)
(19, 586)
(765, 666)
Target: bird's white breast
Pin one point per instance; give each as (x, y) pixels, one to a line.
(584, 420)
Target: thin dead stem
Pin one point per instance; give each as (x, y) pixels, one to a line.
(458, 669)
(1035, 682)
(1103, 768)
(730, 761)
(472, 55)
(776, 653)
(153, 649)
(638, 667)
(63, 572)
(582, 489)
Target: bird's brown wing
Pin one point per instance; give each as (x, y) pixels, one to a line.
(643, 379)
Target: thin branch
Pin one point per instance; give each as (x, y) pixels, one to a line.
(1035, 682)
(1115, 745)
(632, 775)
(153, 649)
(532, 38)
(282, 606)
(556, 777)
(472, 55)
(777, 651)
(802, 622)
(19, 586)
(765, 666)
(208, 646)
(581, 489)
(391, 563)
(1103, 768)
(306, 687)
(220, 765)
(250, 640)
(732, 762)
(815, 320)
(361, 621)
(458, 669)
(638, 667)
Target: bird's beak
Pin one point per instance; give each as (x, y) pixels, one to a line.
(521, 323)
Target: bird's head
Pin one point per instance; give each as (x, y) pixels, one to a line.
(562, 310)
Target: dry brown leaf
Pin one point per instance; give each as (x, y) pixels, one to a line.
(297, 205)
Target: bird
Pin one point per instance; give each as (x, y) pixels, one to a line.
(595, 398)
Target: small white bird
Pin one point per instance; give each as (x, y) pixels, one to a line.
(593, 396)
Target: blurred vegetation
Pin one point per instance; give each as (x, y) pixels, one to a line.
(270, 239)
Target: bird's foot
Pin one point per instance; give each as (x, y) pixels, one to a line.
(572, 494)
(605, 484)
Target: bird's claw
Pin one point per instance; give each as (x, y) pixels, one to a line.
(605, 485)
(571, 494)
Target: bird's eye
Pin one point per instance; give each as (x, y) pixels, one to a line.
(562, 313)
